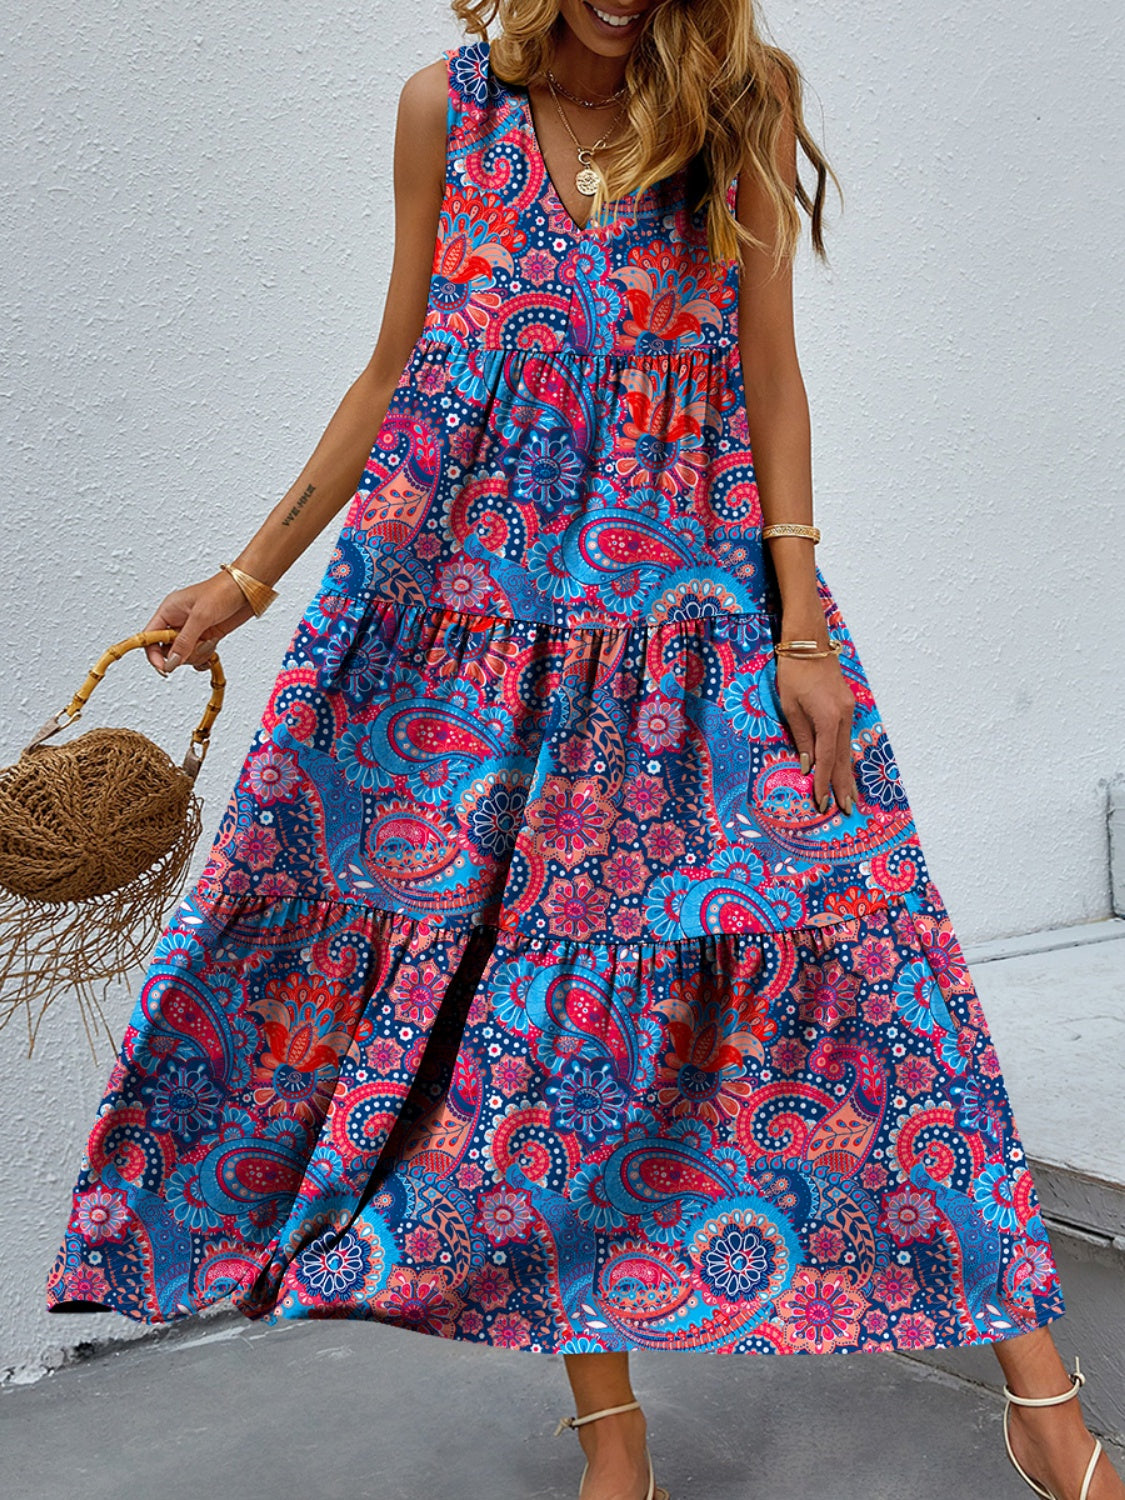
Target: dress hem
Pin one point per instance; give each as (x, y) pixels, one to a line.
(271, 1316)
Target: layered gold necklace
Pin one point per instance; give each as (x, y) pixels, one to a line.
(588, 103)
(589, 177)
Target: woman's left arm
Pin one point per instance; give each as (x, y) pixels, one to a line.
(816, 700)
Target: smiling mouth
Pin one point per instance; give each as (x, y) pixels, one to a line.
(611, 18)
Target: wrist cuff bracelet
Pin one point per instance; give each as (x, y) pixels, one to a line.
(258, 595)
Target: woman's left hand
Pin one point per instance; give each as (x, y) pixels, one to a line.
(819, 707)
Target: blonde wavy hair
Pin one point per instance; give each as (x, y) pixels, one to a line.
(705, 92)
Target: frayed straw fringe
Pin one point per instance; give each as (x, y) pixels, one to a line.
(49, 949)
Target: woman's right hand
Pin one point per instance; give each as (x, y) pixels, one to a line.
(202, 613)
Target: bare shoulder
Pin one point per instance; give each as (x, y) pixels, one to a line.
(422, 103)
(754, 207)
(420, 133)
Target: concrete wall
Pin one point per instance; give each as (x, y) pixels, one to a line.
(195, 235)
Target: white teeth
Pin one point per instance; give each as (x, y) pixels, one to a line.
(612, 20)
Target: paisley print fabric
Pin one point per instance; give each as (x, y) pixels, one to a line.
(525, 996)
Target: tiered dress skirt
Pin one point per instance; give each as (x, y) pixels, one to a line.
(526, 998)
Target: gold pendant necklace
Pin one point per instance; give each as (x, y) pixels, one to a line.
(588, 178)
(603, 103)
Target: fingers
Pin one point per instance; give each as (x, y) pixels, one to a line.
(824, 761)
(203, 653)
(159, 621)
(190, 646)
(834, 777)
(802, 731)
(843, 777)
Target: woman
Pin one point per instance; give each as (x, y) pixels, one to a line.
(565, 974)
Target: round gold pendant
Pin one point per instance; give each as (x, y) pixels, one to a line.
(587, 181)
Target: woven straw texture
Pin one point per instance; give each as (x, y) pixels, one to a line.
(95, 841)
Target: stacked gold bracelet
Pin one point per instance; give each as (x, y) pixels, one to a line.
(807, 650)
(791, 528)
(258, 595)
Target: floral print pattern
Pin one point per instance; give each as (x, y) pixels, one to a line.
(526, 997)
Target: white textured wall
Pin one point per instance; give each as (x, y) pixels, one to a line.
(194, 232)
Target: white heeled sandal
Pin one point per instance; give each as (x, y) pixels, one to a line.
(1077, 1380)
(654, 1492)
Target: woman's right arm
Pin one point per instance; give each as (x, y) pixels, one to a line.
(204, 612)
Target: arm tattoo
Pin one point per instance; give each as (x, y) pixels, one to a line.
(295, 510)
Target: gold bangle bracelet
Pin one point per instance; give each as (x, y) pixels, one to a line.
(808, 650)
(258, 595)
(791, 528)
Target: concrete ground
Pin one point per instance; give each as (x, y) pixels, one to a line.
(356, 1411)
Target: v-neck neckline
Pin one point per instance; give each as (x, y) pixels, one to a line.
(550, 188)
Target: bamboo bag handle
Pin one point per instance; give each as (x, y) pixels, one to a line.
(73, 710)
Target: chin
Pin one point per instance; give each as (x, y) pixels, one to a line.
(598, 34)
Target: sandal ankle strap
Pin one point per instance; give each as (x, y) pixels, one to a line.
(1077, 1380)
(592, 1416)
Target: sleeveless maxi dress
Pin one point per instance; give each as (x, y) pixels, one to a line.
(525, 996)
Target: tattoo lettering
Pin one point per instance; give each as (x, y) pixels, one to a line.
(295, 510)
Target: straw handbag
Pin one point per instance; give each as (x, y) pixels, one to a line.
(95, 841)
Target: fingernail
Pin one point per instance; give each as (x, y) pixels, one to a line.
(826, 803)
(171, 662)
(849, 805)
(806, 762)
